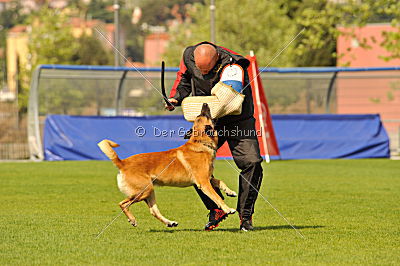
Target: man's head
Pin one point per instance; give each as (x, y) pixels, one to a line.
(205, 58)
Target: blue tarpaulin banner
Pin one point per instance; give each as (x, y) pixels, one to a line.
(299, 136)
(331, 136)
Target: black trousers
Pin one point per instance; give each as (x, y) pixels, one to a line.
(243, 143)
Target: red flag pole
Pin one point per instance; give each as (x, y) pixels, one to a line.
(259, 109)
(267, 140)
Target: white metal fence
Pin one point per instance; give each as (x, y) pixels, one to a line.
(95, 90)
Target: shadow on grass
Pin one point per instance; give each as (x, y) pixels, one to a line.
(257, 228)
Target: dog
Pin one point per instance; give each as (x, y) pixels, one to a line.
(187, 165)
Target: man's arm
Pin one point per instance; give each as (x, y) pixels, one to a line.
(233, 75)
(182, 86)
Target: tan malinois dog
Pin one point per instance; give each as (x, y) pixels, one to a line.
(187, 165)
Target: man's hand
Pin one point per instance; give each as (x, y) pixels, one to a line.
(174, 102)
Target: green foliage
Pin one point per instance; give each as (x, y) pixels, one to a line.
(391, 42)
(317, 43)
(51, 39)
(265, 29)
(91, 52)
(321, 19)
(97, 10)
(9, 18)
(94, 9)
(158, 12)
(52, 42)
(154, 13)
(134, 42)
(271, 24)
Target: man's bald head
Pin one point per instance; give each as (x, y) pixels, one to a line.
(205, 57)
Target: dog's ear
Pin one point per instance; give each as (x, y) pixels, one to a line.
(188, 134)
(209, 130)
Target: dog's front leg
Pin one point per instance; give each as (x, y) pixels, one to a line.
(221, 185)
(207, 189)
(151, 202)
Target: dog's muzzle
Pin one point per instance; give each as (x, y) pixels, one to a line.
(205, 111)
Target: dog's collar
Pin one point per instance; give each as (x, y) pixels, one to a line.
(208, 145)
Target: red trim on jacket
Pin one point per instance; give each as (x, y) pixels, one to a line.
(182, 70)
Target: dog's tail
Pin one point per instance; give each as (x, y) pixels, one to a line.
(107, 146)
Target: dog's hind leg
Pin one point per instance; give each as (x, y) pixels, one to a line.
(136, 197)
(151, 202)
(125, 204)
(221, 185)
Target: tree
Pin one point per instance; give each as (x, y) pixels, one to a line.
(159, 12)
(51, 42)
(134, 41)
(97, 10)
(317, 20)
(388, 11)
(51, 39)
(154, 13)
(321, 24)
(265, 26)
(9, 18)
(261, 26)
(91, 52)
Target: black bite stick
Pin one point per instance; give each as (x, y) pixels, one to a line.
(163, 85)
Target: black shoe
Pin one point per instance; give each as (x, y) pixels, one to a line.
(215, 217)
(246, 224)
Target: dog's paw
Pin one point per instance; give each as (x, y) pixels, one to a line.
(231, 193)
(172, 224)
(133, 223)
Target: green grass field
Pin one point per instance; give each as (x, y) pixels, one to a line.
(348, 211)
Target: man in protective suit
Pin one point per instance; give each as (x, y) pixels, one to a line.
(202, 66)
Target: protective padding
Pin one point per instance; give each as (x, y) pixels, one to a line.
(224, 100)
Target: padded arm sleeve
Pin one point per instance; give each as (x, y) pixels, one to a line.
(233, 75)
